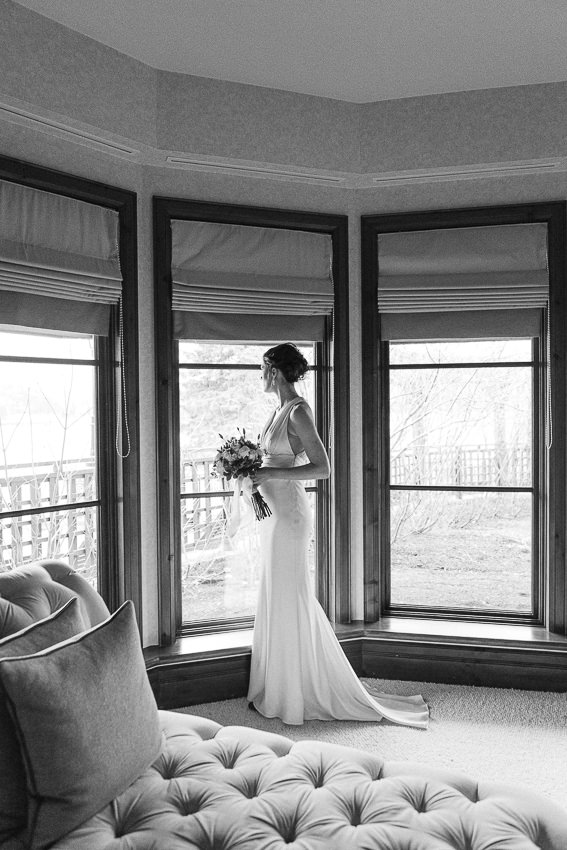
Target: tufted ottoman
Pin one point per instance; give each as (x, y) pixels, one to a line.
(236, 788)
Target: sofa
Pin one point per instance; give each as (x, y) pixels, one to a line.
(89, 762)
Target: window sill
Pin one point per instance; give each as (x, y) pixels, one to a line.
(216, 644)
(451, 631)
(211, 667)
(221, 644)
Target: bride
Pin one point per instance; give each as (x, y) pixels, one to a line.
(299, 671)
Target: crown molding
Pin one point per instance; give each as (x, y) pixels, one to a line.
(252, 168)
(55, 125)
(471, 172)
(75, 132)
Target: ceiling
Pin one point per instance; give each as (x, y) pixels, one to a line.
(352, 50)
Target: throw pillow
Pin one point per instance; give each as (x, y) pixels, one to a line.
(87, 723)
(60, 625)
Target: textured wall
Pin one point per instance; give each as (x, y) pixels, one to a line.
(493, 125)
(42, 62)
(250, 122)
(50, 69)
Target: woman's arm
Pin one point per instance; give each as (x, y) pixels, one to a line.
(303, 436)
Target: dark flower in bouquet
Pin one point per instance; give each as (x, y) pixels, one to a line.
(240, 458)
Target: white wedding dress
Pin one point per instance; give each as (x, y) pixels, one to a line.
(299, 671)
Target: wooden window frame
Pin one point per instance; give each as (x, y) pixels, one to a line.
(334, 590)
(375, 400)
(119, 547)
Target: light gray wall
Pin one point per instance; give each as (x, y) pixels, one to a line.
(493, 125)
(254, 123)
(44, 63)
(50, 73)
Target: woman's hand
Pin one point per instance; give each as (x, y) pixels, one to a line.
(261, 475)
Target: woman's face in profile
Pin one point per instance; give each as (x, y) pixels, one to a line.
(267, 383)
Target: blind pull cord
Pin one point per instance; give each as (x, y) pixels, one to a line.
(122, 406)
(548, 413)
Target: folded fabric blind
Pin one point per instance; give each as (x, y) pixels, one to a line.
(249, 283)
(428, 277)
(59, 261)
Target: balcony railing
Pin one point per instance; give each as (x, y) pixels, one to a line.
(466, 466)
(70, 532)
(28, 534)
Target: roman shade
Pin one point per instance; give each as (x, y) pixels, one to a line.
(59, 261)
(239, 282)
(459, 282)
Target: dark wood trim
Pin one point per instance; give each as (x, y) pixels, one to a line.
(338, 228)
(166, 209)
(167, 472)
(130, 466)
(497, 666)
(371, 417)
(111, 581)
(179, 681)
(121, 570)
(323, 388)
(182, 683)
(554, 215)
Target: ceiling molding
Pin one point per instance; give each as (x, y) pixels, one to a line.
(45, 123)
(257, 169)
(75, 132)
(470, 172)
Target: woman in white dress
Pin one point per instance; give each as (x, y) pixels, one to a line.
(299, 671)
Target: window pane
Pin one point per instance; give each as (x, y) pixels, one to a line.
(69, 534)
(51, 483)
(47, 414)
(220, 401)
(474, 351)
(48, 451)
(461, 427)
(461, 550)
(220, 575)
(25, 344)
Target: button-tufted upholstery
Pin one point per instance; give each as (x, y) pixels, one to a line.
(35, 591)
(236, 788)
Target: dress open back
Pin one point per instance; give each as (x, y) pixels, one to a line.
(299, 671)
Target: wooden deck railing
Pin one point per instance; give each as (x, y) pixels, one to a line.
(70, 533)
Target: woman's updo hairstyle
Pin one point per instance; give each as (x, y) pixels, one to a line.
(289, 360)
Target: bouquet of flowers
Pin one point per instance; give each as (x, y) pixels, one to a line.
(240, 458)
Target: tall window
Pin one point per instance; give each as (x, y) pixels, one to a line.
(220, 393)
(230, 281)
(69, 473)
(49, 450)
(463, 486)
(464, 354)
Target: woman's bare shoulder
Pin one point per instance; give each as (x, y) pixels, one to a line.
(301, 408)
(301, 414)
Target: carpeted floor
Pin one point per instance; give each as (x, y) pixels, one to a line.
(488, 733)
